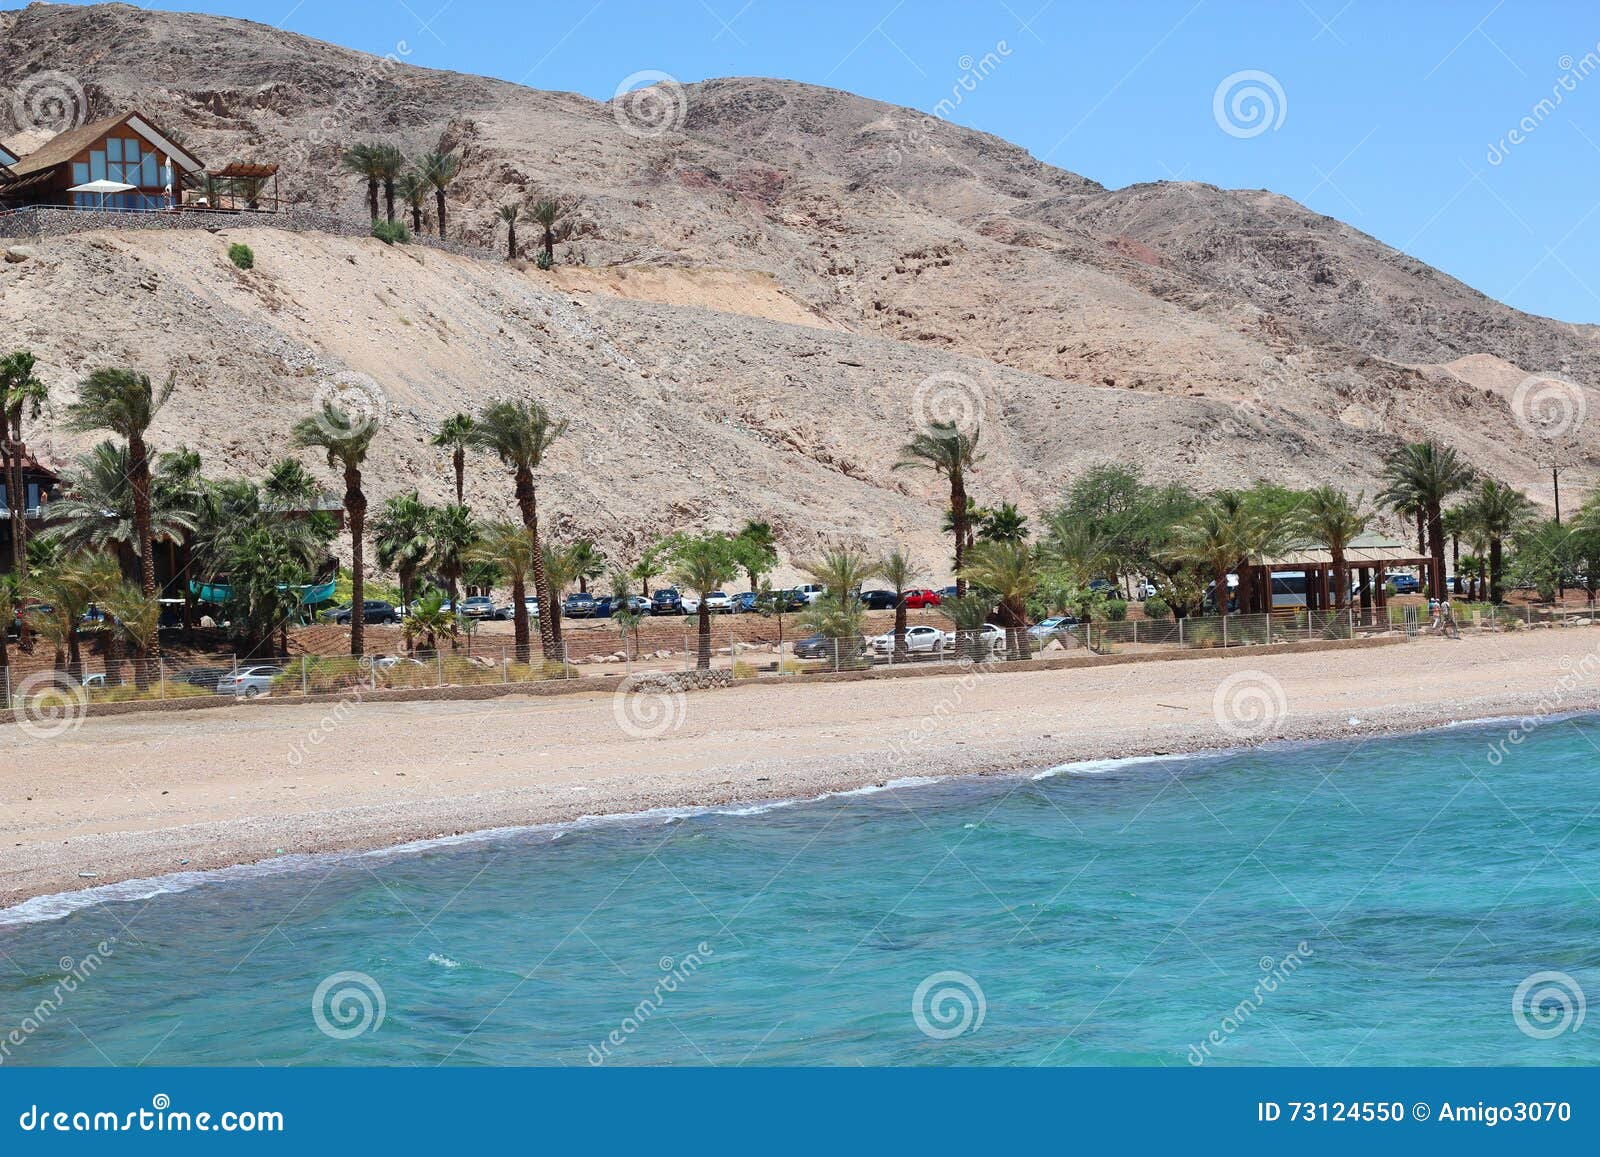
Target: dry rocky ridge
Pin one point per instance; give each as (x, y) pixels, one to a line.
(755, 295)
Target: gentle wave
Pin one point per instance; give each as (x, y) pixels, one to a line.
(59, 905)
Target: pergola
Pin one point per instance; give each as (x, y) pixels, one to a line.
(241, 181)
(1370, 556)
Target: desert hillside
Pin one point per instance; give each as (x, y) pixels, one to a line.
(756, 292)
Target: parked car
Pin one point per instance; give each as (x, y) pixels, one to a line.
(638, 604)
(508, 612)
(947, 592)
(878, 600)
(666, 601)
(989, 635)
(578, 605)
(604, 607)
(372, 611)
(1406, 584)
(811, 647)
(791, 599)
(385, 662)
(477, 607)
(919, 641)
(811, 591)
(1053, 628)
(95, 682)
(206, 677)
(718, 603)
(250, 682)
(689, 604)
(1147, 590)
(745, 603)
(918, 599)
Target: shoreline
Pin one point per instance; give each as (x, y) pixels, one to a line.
(730, 753)
(49, 906)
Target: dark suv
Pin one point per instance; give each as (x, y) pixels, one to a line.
(666, 601)
(578, 606)
(372, 611)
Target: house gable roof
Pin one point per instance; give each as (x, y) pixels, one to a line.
(7, 158)
(62, 147)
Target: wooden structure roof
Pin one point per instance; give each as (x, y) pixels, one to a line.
(1365, 550)
(62, 147)
(242, 171)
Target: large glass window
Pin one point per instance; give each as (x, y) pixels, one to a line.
(130, 150)
(80, 172)
(97, 166)
(148, 177)
(113, 148)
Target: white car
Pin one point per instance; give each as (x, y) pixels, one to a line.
(811, 591)
(691, 604)
(249, 682)
(919, 641)
(991, 636)
(718, 603)
(384, 662)
(508, 612)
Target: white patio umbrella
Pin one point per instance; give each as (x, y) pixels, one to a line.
(103, 187)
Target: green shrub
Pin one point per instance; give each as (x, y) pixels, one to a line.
(543, 260)
(1155, 608)
(241, 256)
(1116, 610)
(390, 232)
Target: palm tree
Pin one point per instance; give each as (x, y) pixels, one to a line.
(510, 549)
(346, 442)
(427, 620)
(1420, 477)
(414, 189)
(651, 563)
(554, 218)
(1213, 541)
(22, 394)
(560, 571)
(364, 162)
(1497, 511)
(509, 214)
(9, 598)
(1455, 524)
(1003, 523)
(900, 571)
(455, 435)
(388, 162)
(950, 452)
(703, 562)
(454, 534)
(840, 570)
(520, 434)
(440, 169)
(1009, 571)
(125, 403)
(97, 512)
(967, 614)
(133, 621)
(1328, 517)
(588, 562)
(403, 536)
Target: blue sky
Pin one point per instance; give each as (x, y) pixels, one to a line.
(1389, 111)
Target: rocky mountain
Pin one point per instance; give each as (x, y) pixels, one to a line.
(765, 276)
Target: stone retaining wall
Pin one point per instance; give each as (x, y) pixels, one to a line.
(36, 222)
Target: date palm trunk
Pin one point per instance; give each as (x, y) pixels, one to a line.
(355, 508)
(527, 503)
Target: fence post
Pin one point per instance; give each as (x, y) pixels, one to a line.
(438, 667)
(305, 674)
(1224, 632)
(1180, 634)
(505, 666)
(161, 677)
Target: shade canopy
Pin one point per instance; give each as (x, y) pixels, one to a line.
(102, 187)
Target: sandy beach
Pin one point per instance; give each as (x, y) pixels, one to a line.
(134, 796)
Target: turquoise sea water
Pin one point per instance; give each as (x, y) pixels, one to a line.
(1347, 903)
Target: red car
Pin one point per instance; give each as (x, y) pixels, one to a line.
(916, 600)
